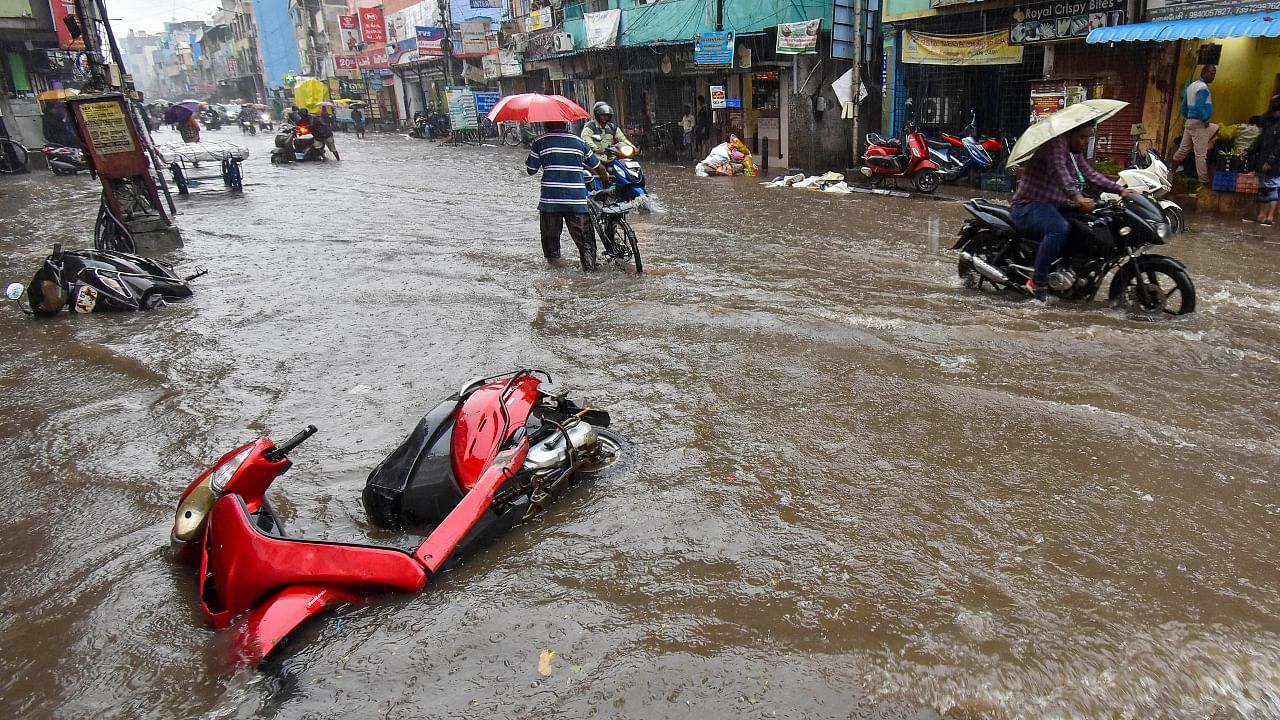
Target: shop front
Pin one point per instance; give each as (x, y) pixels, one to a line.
(1181, 36)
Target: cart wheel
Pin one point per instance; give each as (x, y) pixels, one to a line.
(179, 179)
(237, 180)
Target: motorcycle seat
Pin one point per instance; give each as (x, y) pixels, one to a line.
(938, 145)
(1001, 212)
(878, 139)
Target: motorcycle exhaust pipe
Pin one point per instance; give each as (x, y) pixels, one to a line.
(984, 268)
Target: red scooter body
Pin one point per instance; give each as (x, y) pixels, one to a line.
(250, 569)
(889, 161)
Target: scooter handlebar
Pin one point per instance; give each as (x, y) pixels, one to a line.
(280, 452)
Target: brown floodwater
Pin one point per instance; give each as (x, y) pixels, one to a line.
(856, 489)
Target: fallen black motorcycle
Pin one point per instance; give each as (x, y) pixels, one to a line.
(1114, 236)
(85, 281)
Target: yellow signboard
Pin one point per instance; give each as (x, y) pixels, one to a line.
(981, 49)
(106, 126)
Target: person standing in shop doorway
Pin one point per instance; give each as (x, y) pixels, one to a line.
(1197, 132)
(1267, 156)
(702, 126)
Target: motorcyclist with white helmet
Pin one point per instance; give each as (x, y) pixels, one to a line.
(600, 133)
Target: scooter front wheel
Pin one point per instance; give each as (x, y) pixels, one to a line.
(926, 181)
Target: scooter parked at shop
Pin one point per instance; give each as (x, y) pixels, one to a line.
(907, 159)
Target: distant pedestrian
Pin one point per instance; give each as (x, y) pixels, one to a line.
(1197, 132)
(189, 129)
(1267, 154)
(357, 121)
(687, 124)
(702, 125)
(561, 157)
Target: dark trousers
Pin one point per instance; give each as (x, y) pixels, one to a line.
(1040, 219)
(580, 229)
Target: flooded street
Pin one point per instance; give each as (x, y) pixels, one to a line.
(857, 490)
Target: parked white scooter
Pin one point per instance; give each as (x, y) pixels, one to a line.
(1150, 176)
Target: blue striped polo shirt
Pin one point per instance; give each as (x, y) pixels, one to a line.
(562, 157)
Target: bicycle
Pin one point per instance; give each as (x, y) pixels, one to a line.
(610, 222)
(667, 148)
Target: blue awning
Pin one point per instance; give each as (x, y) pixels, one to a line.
(1263, 24)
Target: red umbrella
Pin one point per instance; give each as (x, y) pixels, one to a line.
(537, 108)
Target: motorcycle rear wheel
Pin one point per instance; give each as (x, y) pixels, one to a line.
(1163, 280)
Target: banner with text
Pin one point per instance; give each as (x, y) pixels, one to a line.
(799, 38)
(372, 27)
(1194, 9)
(714, 49)
(346, 63)
(981, 49)
(429, 39)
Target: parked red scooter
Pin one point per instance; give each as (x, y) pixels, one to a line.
(482, 461)
(907, 158)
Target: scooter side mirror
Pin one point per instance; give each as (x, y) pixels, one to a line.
(14, 291)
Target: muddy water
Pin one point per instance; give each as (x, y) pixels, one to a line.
(856, 489)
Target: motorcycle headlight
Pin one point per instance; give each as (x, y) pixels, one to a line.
(221, 476)
(1162, 230)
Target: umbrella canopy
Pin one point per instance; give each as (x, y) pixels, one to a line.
(536, 108)
(181, 111)
(56, 94)
(325, 103)
(1061, 123)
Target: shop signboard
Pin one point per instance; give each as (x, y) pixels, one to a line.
(1063, 20)
(981, 49)
(945, 3)
(475, 39)
(733, 102)
(462, 109)
(372, 27)
(486, 100)
(345, 63)
(538, 20)
(1191, 9)
(714, 49)
(798, 38)
(477, 4)
(717, 97)
(372, 59)
(429, 39)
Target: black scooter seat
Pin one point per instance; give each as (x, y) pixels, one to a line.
(877, 139)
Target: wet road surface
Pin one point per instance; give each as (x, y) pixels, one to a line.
(857, 490)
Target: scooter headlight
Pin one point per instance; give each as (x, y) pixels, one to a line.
(626, 151)
(1162, 230)
(222, 475)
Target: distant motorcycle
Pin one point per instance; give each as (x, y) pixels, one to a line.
(420, 128)
(64, 160)
(1114, 236)
(966, 155)
(295, 143)
(85, 281)
(248, 126)
(264, 121)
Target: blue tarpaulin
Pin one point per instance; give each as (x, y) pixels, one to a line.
(1264, 24)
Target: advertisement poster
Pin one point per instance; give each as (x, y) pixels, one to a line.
(372, 27)
(1196, 9)
(538, 20)
(373, 59)
(1045, 104)
(350, 27)
(1074, 19)
(798, 38)
(714, 49)
(429, 39)
(981, 49)
(717, 97)
(61, 9)
(462, 109)
(403, 51)
(345, 63)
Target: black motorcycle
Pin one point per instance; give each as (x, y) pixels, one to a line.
(1114, 236)
(86, 281)
(420, 128)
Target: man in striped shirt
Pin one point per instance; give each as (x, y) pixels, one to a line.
(562, 156)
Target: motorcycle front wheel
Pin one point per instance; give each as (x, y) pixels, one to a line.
(621, 245)
(1166, 289)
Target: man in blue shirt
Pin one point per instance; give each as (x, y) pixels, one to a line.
(1197, 132)
(562, 156)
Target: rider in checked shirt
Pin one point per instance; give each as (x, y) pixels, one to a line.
(1056, 177)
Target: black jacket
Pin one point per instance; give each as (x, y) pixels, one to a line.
(1268, 148)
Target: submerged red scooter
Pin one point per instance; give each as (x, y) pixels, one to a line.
(482, 461)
